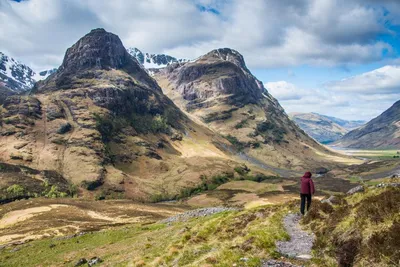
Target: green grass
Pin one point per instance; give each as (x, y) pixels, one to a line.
(220, 240)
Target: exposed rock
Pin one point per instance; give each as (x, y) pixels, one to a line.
(356, 189)
(388, 185)
(94, 261)
(81, 262)
(64, 128)
(331, 200)
(321, 170)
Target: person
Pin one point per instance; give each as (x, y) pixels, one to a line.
(306, 191)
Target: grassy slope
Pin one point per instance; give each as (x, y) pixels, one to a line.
(364, 229)
(218, 240)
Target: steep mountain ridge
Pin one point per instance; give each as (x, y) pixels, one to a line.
(381, 132)
(218, 90)
(16, 76)
(323, 128)
(102, 121)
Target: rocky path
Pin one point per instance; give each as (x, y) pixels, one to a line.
(300, 243)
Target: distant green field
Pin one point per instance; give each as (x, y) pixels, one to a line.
(373, 154)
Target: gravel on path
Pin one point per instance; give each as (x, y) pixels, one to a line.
(300, 243)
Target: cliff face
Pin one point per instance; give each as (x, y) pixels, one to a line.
(219, 91)
(381, 132)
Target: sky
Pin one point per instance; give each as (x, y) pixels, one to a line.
(334, 57)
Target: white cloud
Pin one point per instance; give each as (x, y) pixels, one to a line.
(354, 105)
(268, 33)
(385, 80)
(285, 91)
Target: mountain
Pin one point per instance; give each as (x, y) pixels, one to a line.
(346, 124)
(323, 128)
(18, 77)
(153, 60)
(14, 75)
(102, 123)
(381, 132)
(218, 91)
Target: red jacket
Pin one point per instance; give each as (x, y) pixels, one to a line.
(307, 184)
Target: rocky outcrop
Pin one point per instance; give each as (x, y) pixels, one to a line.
(381, 132)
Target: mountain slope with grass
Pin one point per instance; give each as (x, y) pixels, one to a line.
(218, 90)
(382, 132)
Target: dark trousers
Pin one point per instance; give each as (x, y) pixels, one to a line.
(305, 197)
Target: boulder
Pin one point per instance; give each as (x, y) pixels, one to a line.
(94, 261)
(321, 170)
(80, 262)
(331, 200)
(64, 128)
(356, 189)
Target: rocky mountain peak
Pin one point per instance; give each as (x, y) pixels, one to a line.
(98, 49)
(226, 54)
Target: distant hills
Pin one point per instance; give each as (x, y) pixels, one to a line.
(381, 132)
(324, 129)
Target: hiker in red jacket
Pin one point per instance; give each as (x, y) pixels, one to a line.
(306, 191)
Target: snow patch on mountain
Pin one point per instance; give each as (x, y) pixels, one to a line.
(150, 61)
(16, 76)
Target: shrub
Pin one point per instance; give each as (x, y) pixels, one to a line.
(159, 124)
(241, 124)
(235, 142)
(242, 170)
(15, 190)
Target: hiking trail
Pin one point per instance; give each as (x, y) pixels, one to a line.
(300, 243)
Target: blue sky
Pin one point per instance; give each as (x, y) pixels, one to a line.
(335, 57)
